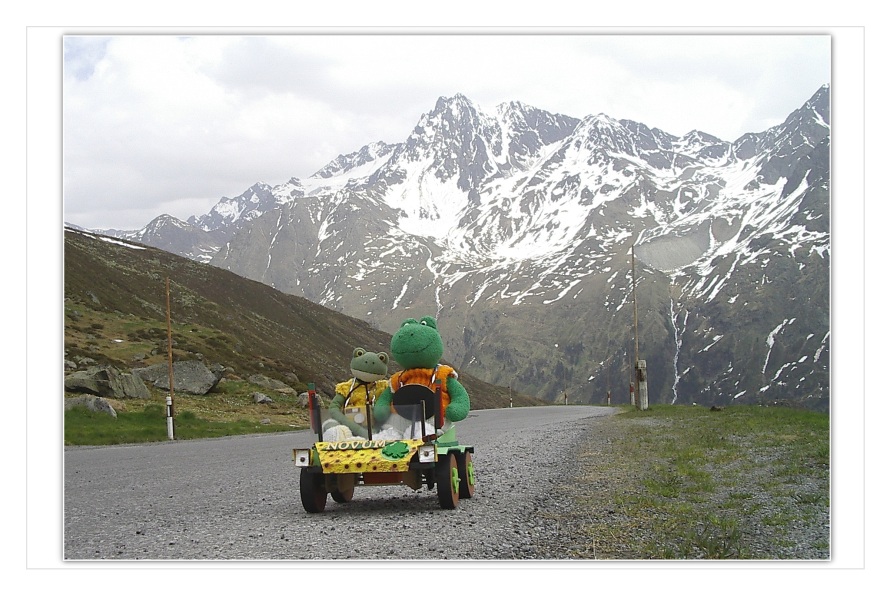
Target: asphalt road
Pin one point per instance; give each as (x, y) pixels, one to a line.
(237, 498)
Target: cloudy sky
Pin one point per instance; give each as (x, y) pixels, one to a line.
(164, 124)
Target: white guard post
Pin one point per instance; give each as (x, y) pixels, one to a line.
(169, 417)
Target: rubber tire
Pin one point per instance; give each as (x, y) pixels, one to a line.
(313, 494)
(446, 471)
(343, 496)
(467, 475)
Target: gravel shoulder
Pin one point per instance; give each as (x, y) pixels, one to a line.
(609, 507)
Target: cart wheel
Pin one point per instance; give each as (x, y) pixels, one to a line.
(467, 475)
(429, 478)
(313, 494)
(447, 480)
(344, 488)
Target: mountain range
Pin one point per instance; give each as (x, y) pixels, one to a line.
(554, 250)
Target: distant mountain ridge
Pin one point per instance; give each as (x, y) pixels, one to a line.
(515, 229)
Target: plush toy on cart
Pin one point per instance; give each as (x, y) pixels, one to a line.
(348, 410)
(417, 347)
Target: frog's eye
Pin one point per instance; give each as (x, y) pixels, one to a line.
(358, 352)
(408, 321)
(383, 357)
(423, 322)
(429, 321)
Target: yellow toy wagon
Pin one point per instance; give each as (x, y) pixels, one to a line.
(412, 448)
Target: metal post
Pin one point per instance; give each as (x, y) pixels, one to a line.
(315, 412)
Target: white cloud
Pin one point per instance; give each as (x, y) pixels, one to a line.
(170, 124)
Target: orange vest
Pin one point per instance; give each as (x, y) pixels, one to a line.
(426, 377)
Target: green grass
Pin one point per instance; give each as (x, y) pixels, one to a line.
(689, 483)
(85, 427)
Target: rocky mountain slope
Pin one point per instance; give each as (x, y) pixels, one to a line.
(115, 314)
(516, 230)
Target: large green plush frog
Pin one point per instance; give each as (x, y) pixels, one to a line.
(417, 347)
(369, 370)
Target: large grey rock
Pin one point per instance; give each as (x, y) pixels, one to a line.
(261, 398)
(91, 402)
(189, 376)
(107, 381)
(267, 382)
(273, 385)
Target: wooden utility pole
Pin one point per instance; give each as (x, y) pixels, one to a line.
(633, 280)
(169, 365)
(608, 384)
(630, 375)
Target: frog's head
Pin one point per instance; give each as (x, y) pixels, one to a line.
(417, 344)
(368, 366)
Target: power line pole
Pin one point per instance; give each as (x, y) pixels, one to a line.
(169, 401)
(633, 280)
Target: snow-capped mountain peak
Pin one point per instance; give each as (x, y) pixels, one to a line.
(516, 228)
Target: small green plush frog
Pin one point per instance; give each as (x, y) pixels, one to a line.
(369, 371)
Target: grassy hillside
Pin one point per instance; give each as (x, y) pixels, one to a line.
(115, 313)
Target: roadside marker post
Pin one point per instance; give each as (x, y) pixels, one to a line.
(169, 417)
(642, 386)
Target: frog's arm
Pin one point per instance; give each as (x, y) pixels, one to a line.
(460, 401)
(382, 406)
